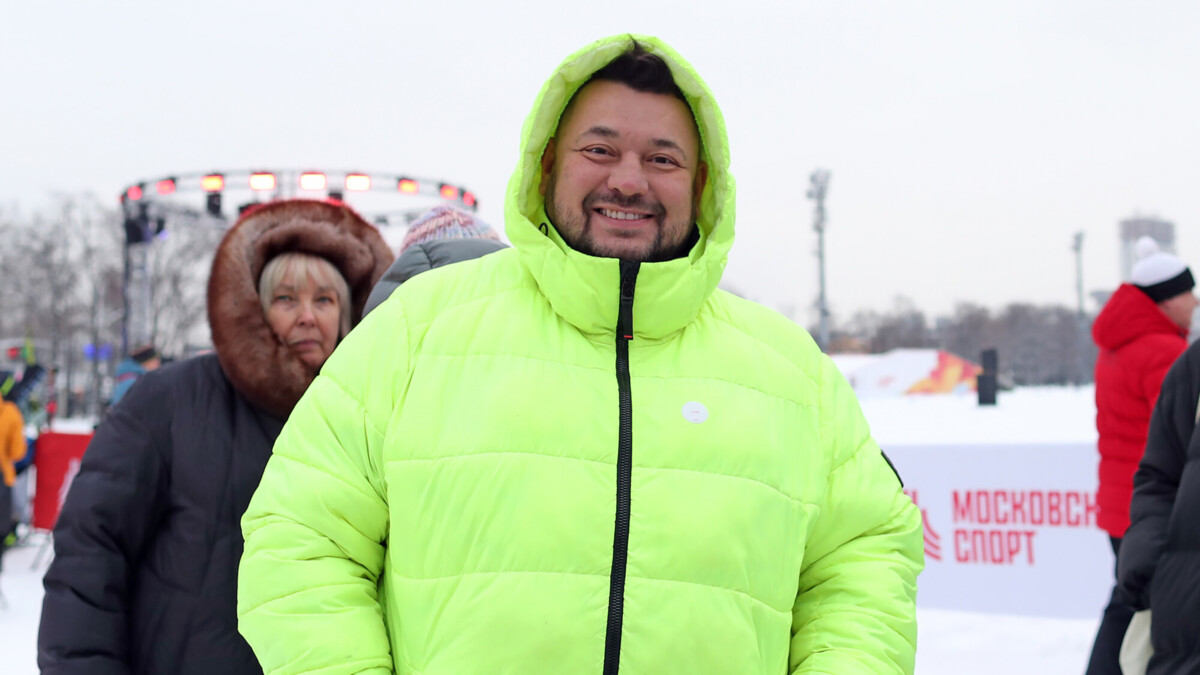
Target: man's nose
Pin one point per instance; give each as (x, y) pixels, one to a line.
(629, 176)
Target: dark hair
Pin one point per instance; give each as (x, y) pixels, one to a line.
(641, 71)
(144, 353)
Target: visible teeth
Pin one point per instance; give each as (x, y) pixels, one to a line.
(621, 215)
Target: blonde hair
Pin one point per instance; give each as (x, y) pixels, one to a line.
(304, 265)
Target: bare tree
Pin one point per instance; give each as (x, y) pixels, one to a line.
(99, 232)
(61, 266)
(12, 304)
(968, 331)
(903, 327)
(179, 265)
(1036, 344)
(45, 276)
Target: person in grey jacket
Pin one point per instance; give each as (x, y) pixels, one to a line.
(441, 236)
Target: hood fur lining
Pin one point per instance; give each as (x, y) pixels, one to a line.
(258, 363)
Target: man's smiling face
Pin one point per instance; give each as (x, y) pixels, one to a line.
(622, 176)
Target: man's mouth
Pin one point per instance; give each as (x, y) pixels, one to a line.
(622, 215)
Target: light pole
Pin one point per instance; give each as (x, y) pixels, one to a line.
(819, 181)
(1081, 320)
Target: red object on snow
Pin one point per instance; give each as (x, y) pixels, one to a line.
(57, 461)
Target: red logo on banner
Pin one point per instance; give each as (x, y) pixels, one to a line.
(933, 540)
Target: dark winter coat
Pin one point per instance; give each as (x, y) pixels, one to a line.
(1138, 343)
(147, 546)
(148, 543)
(1159, 565)
(424, 256)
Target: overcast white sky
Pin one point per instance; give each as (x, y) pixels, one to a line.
(967, 141)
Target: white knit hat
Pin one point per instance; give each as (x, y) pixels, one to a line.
(1158, 274)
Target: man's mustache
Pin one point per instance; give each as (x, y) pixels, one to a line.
(632, 202)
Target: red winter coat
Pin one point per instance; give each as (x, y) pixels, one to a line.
(1138, 343)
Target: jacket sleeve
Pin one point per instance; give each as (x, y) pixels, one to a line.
(113, 507)
(308, 597)
(1157, 479)
(855, 610)
(15, 443)
(1163, 352)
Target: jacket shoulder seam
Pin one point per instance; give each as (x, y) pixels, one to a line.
(768, 345)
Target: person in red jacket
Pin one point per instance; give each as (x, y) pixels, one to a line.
(1140, 332)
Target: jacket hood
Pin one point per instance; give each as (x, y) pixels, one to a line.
(424, 256)
(582, 288)
(260, 366)
(1128, 315)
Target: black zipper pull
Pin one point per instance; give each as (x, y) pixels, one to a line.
(629, 272)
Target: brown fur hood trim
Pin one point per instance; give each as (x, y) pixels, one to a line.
(258, 364)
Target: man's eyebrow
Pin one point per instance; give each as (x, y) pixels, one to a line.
(668, 144)
(601, 131)
(608, 132)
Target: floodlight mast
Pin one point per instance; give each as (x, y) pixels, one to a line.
(1080, 317)
(819, 182)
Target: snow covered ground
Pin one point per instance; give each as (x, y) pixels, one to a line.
(950, 643)
(21, 586)
(1033, 415)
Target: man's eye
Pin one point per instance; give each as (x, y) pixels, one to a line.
(597, 151)
(665, 161)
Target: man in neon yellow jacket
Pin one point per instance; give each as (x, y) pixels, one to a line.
(578, 455)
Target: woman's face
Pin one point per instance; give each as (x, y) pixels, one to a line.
(305, 316)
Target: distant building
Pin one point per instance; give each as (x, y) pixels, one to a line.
(1137, 227)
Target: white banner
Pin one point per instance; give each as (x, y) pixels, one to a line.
(1009, 529)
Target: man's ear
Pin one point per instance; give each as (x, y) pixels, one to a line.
(698, 185)
(547, 165)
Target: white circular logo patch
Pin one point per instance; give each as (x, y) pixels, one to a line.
(694, 412)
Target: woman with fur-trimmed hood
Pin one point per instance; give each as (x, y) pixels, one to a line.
(148, 542)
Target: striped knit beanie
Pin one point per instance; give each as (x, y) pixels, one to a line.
(1159, 274)
(446, 222)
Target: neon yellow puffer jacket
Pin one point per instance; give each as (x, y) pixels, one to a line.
(458, 492)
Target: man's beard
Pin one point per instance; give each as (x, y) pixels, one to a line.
(580, 238)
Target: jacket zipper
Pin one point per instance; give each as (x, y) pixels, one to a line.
(616, 589)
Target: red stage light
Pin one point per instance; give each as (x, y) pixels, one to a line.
(312, 181)
(357, 182)
(214, 182)
(262, 181)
